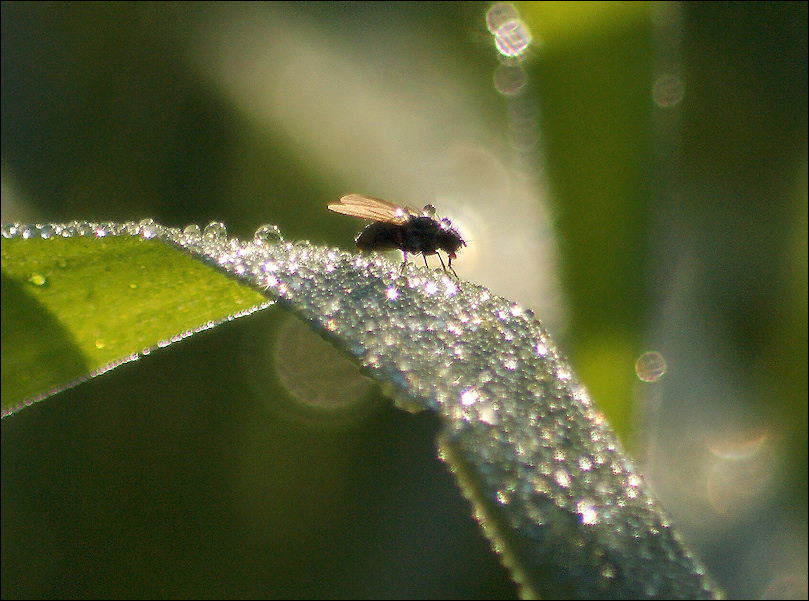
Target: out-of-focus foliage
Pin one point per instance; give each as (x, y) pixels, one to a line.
(682, 232)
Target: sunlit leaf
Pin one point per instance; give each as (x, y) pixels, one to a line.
(74, 307)
(547, 477)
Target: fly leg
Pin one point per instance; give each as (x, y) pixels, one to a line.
(444, 267)
(450, 270)
(450, 264)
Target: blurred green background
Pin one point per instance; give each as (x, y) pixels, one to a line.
(645, 189)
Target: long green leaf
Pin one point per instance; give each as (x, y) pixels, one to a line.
(74, 307)
(547, 476)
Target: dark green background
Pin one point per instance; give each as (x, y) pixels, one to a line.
(170, 477)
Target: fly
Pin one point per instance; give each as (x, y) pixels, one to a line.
(401, 227)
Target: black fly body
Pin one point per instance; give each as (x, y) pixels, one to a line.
(401, 227)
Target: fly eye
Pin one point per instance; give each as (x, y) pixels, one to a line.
(429, 211)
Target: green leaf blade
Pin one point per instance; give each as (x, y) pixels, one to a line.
(547, 476)
(76, 307)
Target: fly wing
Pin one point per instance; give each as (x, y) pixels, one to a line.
(374, 209)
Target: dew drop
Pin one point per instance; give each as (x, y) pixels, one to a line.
(147, 228)
(323, 386)
(29, 231)
(500, 14)
(37, 279)
(650, 367)
(214, 231)
(562, 478)
(509, 79)
(268, 234)
(668, 91)
(512, 38)
(85, 229)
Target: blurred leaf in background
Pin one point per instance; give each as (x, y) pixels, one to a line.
(628, 220)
